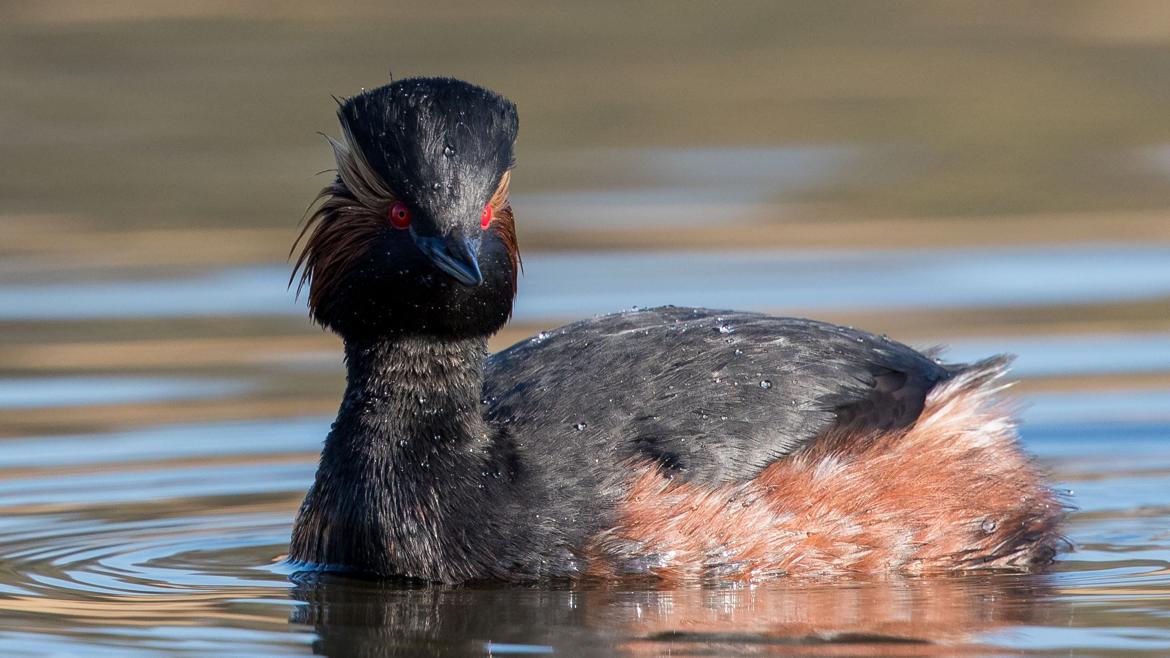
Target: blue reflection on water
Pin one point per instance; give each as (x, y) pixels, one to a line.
(33, 392)
(569, 285)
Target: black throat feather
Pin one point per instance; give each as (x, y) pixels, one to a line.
(408, 460)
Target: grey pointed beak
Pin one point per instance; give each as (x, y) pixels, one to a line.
(454, 255)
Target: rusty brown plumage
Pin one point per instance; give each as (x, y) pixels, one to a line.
(954, 491)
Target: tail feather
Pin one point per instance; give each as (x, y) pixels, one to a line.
(977, 375)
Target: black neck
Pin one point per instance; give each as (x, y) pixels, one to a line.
(409, 460)
(413, 392)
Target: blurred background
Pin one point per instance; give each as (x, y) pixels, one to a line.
(990, 175)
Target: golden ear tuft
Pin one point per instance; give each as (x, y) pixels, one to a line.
(347, 219)
(504, 224)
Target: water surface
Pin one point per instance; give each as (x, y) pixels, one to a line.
(135, 537)
(943, 173)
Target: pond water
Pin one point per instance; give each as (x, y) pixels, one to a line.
(129, 533)
(996, 182)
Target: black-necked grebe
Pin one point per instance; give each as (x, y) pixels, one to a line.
(672, 442)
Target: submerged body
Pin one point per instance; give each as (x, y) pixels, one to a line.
(671, 442)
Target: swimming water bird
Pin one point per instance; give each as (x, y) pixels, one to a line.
(670, 443)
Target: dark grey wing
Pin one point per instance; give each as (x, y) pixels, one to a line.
(710, 395)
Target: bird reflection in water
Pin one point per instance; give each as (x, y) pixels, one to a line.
(895, 617)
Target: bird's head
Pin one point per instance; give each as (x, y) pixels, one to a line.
(416, 234)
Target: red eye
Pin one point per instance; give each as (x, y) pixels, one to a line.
(486, 217)
(400, 215)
